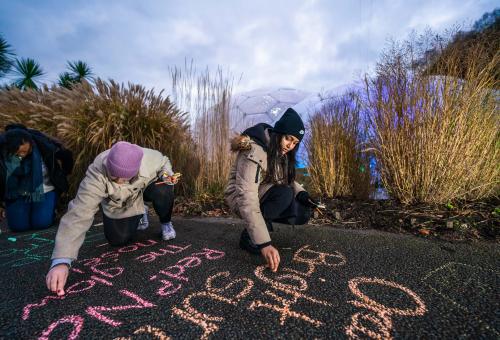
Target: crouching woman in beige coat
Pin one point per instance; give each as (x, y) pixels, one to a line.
(119, 180)
(262, 186)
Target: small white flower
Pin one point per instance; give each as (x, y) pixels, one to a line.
(301, 132)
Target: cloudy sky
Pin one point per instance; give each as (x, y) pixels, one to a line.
(309, 45)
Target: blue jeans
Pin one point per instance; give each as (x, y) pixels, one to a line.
(22, 215)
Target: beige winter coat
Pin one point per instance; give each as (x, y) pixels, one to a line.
(117, 201)
(245, 187)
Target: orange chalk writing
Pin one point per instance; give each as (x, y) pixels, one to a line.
(380, 316)
(207, 322)
(157, 333)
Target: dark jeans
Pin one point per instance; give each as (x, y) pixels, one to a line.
(120, 231)
(22, 215)
(279, 205)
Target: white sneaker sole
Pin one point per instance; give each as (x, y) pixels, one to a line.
(168, 237)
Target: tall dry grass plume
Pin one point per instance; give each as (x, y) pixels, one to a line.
(88, 119)
(207, 96)
(436, 136)
(337, 165)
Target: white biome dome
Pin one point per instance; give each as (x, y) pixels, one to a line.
(262, 106)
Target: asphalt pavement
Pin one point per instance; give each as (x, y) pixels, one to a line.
(332, 283)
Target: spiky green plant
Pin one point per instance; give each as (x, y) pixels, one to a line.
(66, 80)
(6, 57)
(28, 72)
(79, 71)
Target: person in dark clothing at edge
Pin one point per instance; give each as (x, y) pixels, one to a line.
(33, 174)
(262, 186)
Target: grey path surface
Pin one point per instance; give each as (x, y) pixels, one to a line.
(332, 283)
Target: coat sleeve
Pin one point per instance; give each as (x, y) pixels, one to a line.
(80, 215)
(247, 184)
(167, 166)
(157, 163)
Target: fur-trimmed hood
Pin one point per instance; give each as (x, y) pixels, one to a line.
(240, 143)
(258, 134)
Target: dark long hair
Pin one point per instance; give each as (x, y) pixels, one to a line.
(280, 167)
(15, 137)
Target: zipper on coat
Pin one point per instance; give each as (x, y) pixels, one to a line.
(257, 174)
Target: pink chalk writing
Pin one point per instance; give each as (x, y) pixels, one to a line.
(87, 284)
(96, 311)
(101, 280)
(114, 254)
(76, 320)
(168, 288)
(101, 272)
(169, 249)
(177, 272)
(27, 308)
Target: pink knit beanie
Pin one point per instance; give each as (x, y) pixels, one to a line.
(124, 160)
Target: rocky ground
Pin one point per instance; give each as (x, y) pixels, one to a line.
(460, 222)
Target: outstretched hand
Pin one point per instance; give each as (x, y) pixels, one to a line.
(56, 279)
(272, 257)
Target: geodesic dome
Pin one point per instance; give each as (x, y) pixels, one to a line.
(263, 106)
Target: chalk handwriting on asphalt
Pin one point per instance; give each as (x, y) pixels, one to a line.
(35, 247)
(284, 290)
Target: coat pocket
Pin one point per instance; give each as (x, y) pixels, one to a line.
(257, 173)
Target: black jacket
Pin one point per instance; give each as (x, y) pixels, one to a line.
(51, 151)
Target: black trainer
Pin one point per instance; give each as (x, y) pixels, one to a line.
(247, 244)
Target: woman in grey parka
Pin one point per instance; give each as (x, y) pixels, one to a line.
(262, 186)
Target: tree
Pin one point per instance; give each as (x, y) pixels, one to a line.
(28, 71)
(6, 57)
(78, 71)
(66, 80)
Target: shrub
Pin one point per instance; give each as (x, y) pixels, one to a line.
(207, 96)
(89, 119)
(337, 165)
(436, 137)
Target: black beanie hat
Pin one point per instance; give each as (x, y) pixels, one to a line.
(290, 124)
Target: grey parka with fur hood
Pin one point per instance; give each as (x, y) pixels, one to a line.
(245, 187)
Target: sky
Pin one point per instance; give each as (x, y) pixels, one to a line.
(308, 45)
